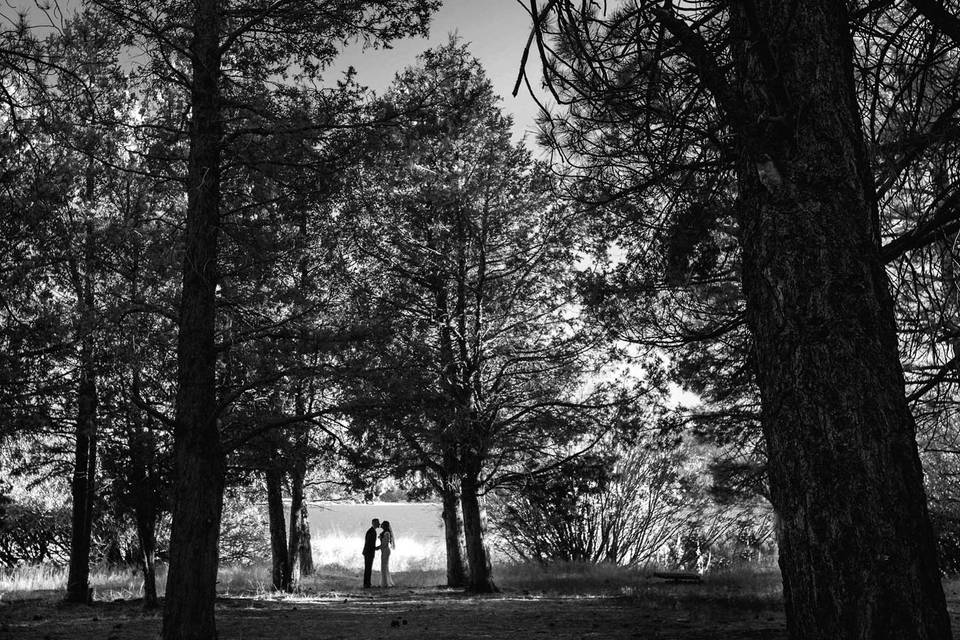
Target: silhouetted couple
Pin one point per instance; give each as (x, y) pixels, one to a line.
(370, 548)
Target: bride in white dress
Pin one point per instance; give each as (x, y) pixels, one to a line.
(386, 545)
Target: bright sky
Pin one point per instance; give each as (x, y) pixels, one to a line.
(496, 31)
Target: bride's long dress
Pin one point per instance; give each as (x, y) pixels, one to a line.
(386, 538)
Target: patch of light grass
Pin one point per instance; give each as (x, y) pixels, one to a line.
(411, 554)
(565, 577)
(29, 578)
(415, 562)
(338, 562)
(108, 583)
(757, 585)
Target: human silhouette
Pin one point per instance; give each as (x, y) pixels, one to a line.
(386, 545)
(369, 550)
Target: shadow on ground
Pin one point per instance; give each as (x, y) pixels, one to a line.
(672, 611)
(656, 610)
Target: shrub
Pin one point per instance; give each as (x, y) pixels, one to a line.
(644, 506)
(244, 537)
(593, 510)
(32, 532)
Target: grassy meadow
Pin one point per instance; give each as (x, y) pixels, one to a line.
(337, 531)
(564, 601)
(110, 584)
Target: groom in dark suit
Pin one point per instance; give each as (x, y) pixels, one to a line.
(369, 550)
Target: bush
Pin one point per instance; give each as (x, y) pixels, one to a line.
(946, 524)
(244, 537)
(32, 532)
(644, 506)
(942, 470)
(595, 510)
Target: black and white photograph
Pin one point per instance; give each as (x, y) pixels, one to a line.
(479, 319)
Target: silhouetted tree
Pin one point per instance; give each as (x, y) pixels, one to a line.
(750, 110)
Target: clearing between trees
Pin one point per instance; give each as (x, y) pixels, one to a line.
(729, 607)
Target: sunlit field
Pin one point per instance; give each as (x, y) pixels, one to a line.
(621, 320)
(565, 601)
(416, 562)
(330, 578)
(337, 531)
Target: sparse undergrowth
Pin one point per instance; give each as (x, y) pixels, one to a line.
(562, 602)
(753, 582)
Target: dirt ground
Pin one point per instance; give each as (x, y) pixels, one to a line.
(660, 611)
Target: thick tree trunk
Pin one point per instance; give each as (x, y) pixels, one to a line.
(143, 472)
(198, 454)
(83, 488)
(306, 548)
(83, 485)
(453, 535)
(857, 552)
(296, 525)
(147, 536)
(145, 498)
(278, 530)
(481, 573)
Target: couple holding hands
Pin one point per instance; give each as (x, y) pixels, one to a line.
(370, 548)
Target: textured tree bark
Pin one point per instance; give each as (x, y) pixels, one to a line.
(297, 474)
(278, 529)
(146, 504)
(481, 572)
(198, 454)
(147, 537)
(83, 488)
(453, 535)
(306, 548)
(857, 551)
(83, 485)
(300, 560)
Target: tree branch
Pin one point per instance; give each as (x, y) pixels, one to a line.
(939, 17)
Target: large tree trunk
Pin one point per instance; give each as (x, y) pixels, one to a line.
(453, 534)
(306, 548)
(83, 488)
(143, 473)
(857, 552)
(278, 529)
(198, 454)
(147, 537)
(297, 474)
(481, 573)
(83, 485)
(298, 520)
(146, 502)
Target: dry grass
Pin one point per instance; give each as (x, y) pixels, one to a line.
(121, 583)
(745, 585)
(108, 583)
(415, 565)
(332, 579)
(411, 554)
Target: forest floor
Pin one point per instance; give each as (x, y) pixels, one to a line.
(723, 608)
